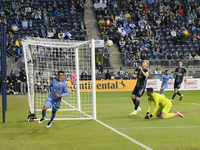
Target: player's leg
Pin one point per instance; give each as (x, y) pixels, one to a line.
(165, 111)
(158, 114)
(44, 110)
(175, 92)
(162, 90)
(133, 97)
(55, 107)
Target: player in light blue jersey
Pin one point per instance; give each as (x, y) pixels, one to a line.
(165, 78)
(59, 89)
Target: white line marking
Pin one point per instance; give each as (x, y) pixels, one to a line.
(124, 135)
(195, 104)
(170, 127)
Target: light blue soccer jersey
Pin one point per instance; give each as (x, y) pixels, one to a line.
(57, 87)
(166, 79)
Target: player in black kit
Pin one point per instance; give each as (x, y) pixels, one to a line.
(180, 72)
(139, 89)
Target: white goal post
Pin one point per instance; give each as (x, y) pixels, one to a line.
(44, 58)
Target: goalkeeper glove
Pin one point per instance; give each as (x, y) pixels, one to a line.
(148, 116)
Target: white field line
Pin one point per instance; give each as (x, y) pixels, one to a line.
(169, 127)
(195, 104)
(124, 135)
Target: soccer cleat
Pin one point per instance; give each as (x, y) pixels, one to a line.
(133, 113)
(171, 100)
(41, 120)
(49, 124)
(139, 109)
(180, 97)
(179, 114)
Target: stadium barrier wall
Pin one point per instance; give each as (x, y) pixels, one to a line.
(190, 84)
(128, 85)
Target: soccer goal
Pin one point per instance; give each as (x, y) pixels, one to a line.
(44, 58)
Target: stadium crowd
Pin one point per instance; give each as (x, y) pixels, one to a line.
(151, 29)
(44, 19)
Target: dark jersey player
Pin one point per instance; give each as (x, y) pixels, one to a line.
(139, 89)
(180, 72)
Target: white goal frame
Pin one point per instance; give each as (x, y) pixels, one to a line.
(29, 66)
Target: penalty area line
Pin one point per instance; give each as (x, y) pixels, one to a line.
(124, 135)
(171, 127)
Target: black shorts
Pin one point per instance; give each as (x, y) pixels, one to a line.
(139, 91)
(177, 85)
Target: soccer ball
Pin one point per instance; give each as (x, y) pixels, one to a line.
(109, 43)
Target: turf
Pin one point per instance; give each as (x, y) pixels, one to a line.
(112, 108)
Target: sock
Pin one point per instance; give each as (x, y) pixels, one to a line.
(179, 93)
(52, 117)
(134, 101)
(44, 113)
(173, 96)
(169, 115)
(162, 92)
(137, 104)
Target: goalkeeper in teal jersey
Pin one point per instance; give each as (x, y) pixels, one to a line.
(59, 89)
(162, 106)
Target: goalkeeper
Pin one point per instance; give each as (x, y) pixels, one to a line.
(163, 103)
(59, 90)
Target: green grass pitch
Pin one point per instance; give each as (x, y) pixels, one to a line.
(112, 109)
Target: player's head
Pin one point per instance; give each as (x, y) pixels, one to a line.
(149, 91)
(145, 63)
(180, 63)
(166, 72)
(60, 75)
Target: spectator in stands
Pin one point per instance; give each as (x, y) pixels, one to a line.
(127, 15)
(50, 34)
(106, 58)
(107, 75)
(20, 51)
(173, 33)
(38, 16)
(156, 49)
(17, 21)
(126, 77)
(100, 68)
(43, 34)
(52, 20)
(158, 71)
(167, 33)
(83, 75)
(87, 70)
(31, 24)
(131, 9)
(176, 56)
(57, 13)
(15, 27)
(96, 5)
(102, 5)
(122, 43)
(128, 60)
(108, 22)
(197, 57)
(180, 11)
(121, 71)
(114, 5)
(22, 78)
(127, 29)
(61, 35)
(12, 78)
(194, 37)
(82, 26)
(46, 20)
(18, 43)
(190, 60)
(72, 10)
(67, 35)
(185, 32)
(25, 23)
(9, 38)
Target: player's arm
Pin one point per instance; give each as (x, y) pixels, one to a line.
(148, 116)
(146, 74)
(50, 86)
(186, 75)
(155, 106)
(134, 76)
(171, 78)
(65, 93)
(162, 78)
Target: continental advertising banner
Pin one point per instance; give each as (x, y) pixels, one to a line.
(104, 85)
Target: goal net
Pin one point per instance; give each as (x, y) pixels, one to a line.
(44, 58)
